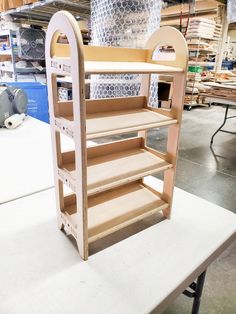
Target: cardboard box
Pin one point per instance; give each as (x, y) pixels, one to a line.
(4, 5)
(29, 1)
(14, 3)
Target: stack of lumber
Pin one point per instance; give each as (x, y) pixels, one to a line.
(195, 87)
(191, 91)
(190, 100)
(222, 91)
(13, 4)
(225, 76)
(203, 28)
(202, 37)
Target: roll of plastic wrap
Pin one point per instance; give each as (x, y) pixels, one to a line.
(14, 121)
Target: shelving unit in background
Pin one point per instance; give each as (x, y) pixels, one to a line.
(9, 57)
(106, 181)
(40, 12)
(8, 52)
(36, 13)
(203, 38)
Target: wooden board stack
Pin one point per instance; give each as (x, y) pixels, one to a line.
(225, 76)
(221, 91)
(106, 181)
(13, 4)
(203, 28)
(202, 37)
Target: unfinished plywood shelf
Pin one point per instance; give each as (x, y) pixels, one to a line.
(106, 117)
(101, 67)
(106, 181)
(113, 164)
(114, 210)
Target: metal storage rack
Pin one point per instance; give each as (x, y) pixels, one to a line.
(11, 54)
(40, 12)
(106, 181)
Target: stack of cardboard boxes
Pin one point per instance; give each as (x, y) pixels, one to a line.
(12, 4)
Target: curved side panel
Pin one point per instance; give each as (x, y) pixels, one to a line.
(64, 22)
(172, 37)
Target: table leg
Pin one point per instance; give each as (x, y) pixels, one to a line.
(196, 295)
(225, 118)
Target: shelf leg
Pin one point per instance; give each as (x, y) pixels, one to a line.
(173, 140)
(60, 203)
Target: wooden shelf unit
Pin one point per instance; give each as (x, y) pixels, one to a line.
(106, 181)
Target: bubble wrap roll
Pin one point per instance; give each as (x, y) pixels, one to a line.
(231, 11)
(122, 23)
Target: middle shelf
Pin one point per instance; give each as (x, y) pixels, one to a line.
(113, 210)
(111, 116)
(113, 164)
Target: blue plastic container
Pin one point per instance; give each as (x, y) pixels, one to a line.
(228, 65)
(37, 99)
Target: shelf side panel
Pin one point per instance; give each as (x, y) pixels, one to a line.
(63, 22)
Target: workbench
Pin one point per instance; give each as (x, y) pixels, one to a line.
(40, 268)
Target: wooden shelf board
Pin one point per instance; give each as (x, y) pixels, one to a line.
(111, 165)
(124, 121)
(117, 67)
(113, 210)
(116, 122)
(93, 67)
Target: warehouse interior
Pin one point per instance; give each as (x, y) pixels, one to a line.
(51, 148)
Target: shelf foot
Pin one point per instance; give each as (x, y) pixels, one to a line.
(166, 213)
(83, 252)
(60, 224)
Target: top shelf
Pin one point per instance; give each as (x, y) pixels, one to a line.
(62, 66)
(93, 67)
(117, 60)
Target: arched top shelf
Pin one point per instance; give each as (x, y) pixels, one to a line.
(115, 60)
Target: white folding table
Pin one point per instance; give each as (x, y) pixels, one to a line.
(26, 159)
(41, 271)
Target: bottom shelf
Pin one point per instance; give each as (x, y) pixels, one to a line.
(115, 209)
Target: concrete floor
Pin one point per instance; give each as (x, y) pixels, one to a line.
(210, 174)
